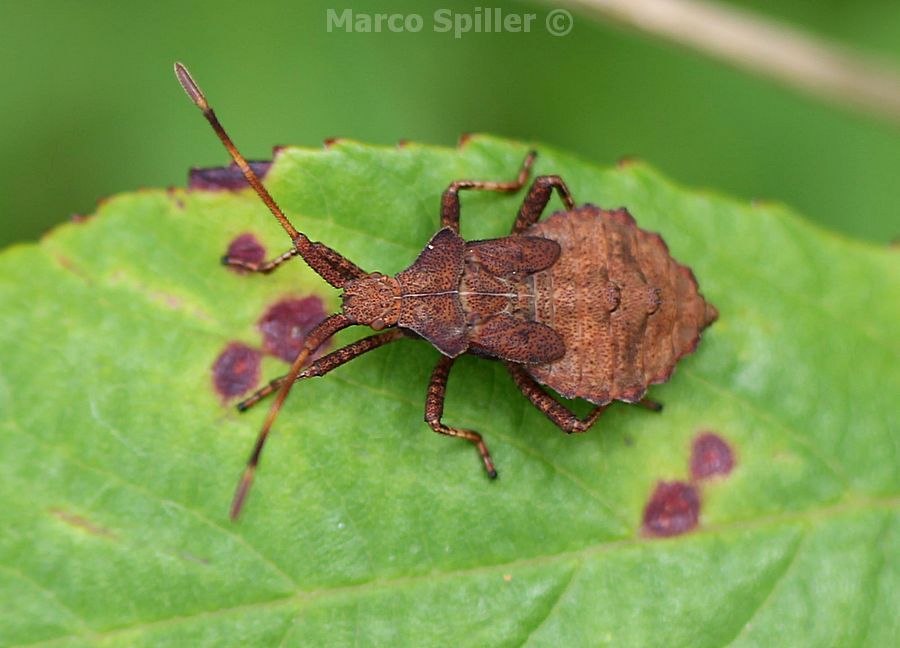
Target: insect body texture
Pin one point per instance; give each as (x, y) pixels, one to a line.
(625, 309)
(593, 306)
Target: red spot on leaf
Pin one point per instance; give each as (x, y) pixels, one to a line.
(228, 178)
(286, 324)
(247, 248)
(236, 370)
(673, 509)
(710, 456)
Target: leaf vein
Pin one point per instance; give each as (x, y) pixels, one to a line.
(557, 601)
(808, 515)
(506, 437)
(835, 470)
(64, 453)
(52, 595)
(776, 584)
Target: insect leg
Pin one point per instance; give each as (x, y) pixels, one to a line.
(334, 268)
(537, 198)
(434, 412)
(652, 405)
(565, 419)
(450, 198)
(325, 364)
(314, 340)
(265, 268)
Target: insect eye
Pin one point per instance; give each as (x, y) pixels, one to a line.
(377, 324)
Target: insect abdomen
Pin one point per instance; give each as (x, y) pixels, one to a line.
(626, 310)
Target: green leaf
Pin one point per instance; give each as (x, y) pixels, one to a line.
(120, 459)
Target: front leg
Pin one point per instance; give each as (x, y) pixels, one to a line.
(325, 364)
(434, 412)
(333, 267)
(265, 267)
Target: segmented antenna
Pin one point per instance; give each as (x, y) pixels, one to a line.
(196, 94)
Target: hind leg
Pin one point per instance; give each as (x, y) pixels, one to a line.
(536, 201)
(562, 417)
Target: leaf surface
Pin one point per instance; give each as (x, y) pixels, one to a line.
(119, 457)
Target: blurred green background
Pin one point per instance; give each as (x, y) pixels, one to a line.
(89, 105)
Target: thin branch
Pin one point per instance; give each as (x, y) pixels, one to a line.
(770, 49)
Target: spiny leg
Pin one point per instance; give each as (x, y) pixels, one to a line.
(561, 416)
(265, 267)
(564, 418)
(326, 363)
(537, 198)
(314, 340)
(450, 198)
(434, 412)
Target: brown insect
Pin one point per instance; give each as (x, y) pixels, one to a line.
(584, 302)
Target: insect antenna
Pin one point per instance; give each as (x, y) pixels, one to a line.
(333, 267)
(314, 340)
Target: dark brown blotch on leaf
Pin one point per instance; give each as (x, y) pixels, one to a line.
(286, 324)
(236, 370)
(228, 178)
(710, 456)
(673, 509)
(246, 248)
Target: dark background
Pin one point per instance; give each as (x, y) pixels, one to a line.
(89, 105)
